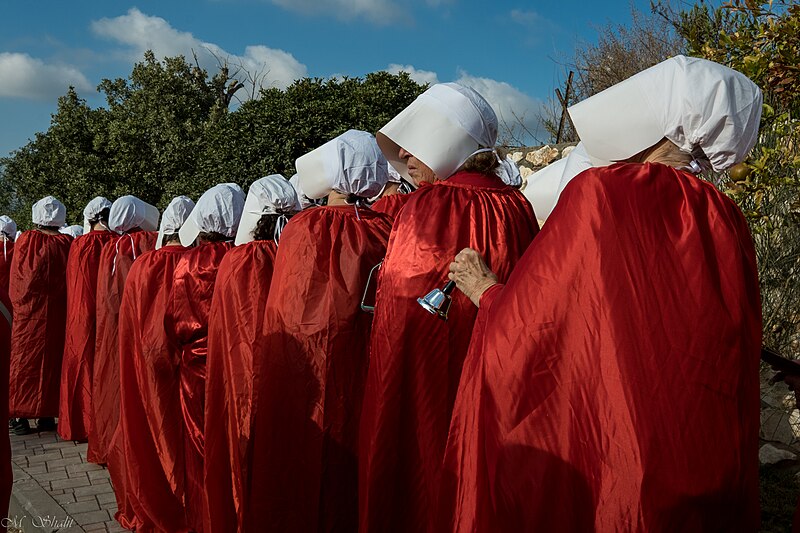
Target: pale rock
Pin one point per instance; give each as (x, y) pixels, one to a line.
(566, 151)
(543, 156)
(516, 157)
(770, 455)
(524, 172)
(777, 425)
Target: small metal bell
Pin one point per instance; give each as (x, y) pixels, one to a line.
(437, 302)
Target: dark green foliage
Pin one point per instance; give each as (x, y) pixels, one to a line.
(167, 130)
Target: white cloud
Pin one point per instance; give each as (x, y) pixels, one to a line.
(23, 76)
(516, 111)
(419, 76)
(382, 12)
(526, 18)
(140, 32)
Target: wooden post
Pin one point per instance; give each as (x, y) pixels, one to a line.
(564, 104)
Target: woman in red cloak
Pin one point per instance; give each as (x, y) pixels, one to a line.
(394, 195)
(136, 221)
(312, 356)
(38, 298)
(75, 406)
(211, 225)
(612, 383)
(416, 358)
(236, 317)
(151, 430)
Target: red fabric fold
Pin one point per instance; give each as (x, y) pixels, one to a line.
(236, 317)
(150, 410)
(75, 406)
(186, 324)
(116, 259)
(391, 205)
(6, 472)
(616, 383)
(6, 256)
(416, 358)
(310, 369)
(39, 301)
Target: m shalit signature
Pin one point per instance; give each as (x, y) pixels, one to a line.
(40, 522)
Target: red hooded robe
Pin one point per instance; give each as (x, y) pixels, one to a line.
(310, 371)
(614, 382)
(416, 358)
(186, 324)
(39, 300)
(75, 407)
(392, 204)
(237, 314)
(6, 256)
(6, 473)
(150, 410)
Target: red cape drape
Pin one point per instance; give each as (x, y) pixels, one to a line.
(74, 409)
(236, 317)
(39, 301)
(310, 371)
(617, 384)
(392, 204)
(116, 259)
(186, 324)
(416, 358)
(5, 264)
(6, 473)
(150, 410)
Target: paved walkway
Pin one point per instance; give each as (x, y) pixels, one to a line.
(56, 489)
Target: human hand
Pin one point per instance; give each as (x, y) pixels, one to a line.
(471, 274)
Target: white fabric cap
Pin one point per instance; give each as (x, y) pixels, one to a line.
(8, 227)
(303, 201)
(92, 209)
(273, 195)
(692, 102)
(394, 175)
(508, 171)
(129, 212)
(544, 187)
(442, 128)
(351, 163)
(218, 210)
(49, 212)
(73, 231)
(173, 217)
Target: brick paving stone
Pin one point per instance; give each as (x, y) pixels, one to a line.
(41, 458)
(97, 475)
(83, 467)
(91, 517)
(86, 498)
(114, 527)
(71, 483)
(51, 467)
(51, 476)
(64, 498)
(107, 497)
(64, 462)
(81, 507)
(58, 445)
(38, 469)
(71, 452)
(92, 528)
(94, 490)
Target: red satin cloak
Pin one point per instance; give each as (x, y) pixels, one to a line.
(236, 318)
(416, 358)
(5, 264)
(391, 205)
(116, 259)
(74, 410)
(616, 385)
(310, 369)
(6, 472)
(150, 410)
(186, 324)
(38, 294)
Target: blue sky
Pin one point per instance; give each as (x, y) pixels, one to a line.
(510, 51)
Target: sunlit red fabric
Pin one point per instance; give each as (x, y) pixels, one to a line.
(616, 385)
(38, 292)
(236, 317)
(116, 259)
(391, 205)
(416, 358)
(75, 406)
(6, 473)
(6, 256)
(310, 369)
(186, 324)
(150, 410)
